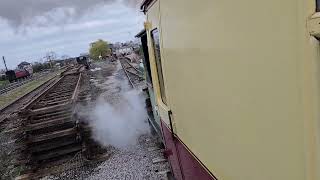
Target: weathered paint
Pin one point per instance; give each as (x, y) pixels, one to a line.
(242, 81)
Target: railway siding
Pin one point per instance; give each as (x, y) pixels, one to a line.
(134, 75)
(23, 88)
(14, 85)
(50, 131)
(11, 122)
(52, 138)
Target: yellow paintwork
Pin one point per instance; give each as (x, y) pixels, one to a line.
(162, 109)
(242, 80)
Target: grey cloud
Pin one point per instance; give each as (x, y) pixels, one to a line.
(117, 21)
(24, 13)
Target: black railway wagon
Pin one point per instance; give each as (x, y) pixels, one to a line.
(83, 60)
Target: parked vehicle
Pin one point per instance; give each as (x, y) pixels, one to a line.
(14, 75)
(235, 87)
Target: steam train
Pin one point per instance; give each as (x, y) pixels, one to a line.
(14, 75)
(83, 60)
(234, 87)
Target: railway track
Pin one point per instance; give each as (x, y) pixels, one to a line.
(20, 102)
(12, 108)
(51, 131)
(134, 75)
(53, 138)
(14, 85)
(11, 86)
(48, 136)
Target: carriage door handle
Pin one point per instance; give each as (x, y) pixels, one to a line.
(170, 121)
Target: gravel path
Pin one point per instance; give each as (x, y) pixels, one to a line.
(133, 163)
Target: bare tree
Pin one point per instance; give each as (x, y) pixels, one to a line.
(50, 56)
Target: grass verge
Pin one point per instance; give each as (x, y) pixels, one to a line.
(11, 96)
(2, 83)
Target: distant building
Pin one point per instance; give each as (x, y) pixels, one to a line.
(117, 45)
(70, 61)
(85, 55)
(23, 65)
(124, 50)
(59, 63)
(26, 65)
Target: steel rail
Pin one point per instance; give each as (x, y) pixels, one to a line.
(125, 71)
(25, 95)
(76, 90)
(51, 131)
(13, 86)
(43, 93)
(127, 61)
(46, 83)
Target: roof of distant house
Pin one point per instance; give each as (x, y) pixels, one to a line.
(24, 63)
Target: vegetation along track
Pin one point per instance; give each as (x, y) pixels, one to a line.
(135, 76)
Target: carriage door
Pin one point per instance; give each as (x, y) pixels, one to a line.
(163, 110)
(151, 103)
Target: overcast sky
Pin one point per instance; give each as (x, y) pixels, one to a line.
(30, 28)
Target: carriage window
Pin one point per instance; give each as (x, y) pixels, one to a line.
(318, 5)
(156, 44)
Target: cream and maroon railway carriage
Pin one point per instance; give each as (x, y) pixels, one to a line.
(236, 86)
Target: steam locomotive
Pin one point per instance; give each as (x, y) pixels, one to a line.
(14, 75)
(84, 61)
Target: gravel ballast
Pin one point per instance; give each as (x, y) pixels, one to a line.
(133, 162)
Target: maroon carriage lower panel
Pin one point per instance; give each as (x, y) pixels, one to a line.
(185, 165)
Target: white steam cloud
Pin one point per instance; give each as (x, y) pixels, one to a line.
(118, 117)
(24, 13)
(119, 125)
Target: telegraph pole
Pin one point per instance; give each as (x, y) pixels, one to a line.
(4, 61)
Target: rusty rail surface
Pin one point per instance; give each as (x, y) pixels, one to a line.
(76, 91)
